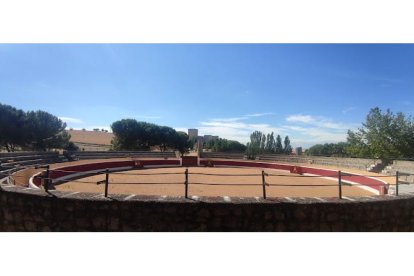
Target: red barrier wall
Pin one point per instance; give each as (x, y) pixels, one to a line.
(364, 180)
(190, 161)
(65, 171)
(193, 162)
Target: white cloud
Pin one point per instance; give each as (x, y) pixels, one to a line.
(183, 129)
(349, 109)
(259, 114)
(303, 130)
(71, 120)
(310, 136)
(308, 130)
(234, 130)
(300, 118)
(318, 121)
(243, 117)
(233, 119)
(299, 136)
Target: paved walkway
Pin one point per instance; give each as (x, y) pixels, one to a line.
(403, 189)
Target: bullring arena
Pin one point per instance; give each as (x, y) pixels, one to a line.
(219, 178)
(283, 196)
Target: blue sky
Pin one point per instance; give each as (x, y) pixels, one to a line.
(312, 92)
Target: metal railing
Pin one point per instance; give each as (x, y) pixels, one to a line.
(264, 176)
(47, 181)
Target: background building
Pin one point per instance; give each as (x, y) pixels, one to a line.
(193, 134)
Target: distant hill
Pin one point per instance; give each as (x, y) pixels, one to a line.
(91, 137)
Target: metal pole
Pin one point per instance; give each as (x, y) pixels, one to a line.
(264, 184)
(397, 183)
(186, 183)
(106, 183)
(340, 184)
(46, 180)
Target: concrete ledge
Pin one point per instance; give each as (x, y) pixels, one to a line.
(26, 209)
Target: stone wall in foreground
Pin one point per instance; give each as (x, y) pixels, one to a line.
(23, 209)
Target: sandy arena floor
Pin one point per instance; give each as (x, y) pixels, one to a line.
(219, 190)
(22, 177)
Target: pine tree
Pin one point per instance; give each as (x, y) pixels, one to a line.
(270, 143)
(263, 144)
(288, 148)
(254, 147)
(279, 146)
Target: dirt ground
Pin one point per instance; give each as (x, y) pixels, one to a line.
(21, 178)
(389, 179)
(174, 184)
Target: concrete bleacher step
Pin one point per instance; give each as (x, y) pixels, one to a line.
(23, 163)
(128, 154)
(28, 157)
(240, 156)
(361, 164)
(23, 153)
(7, 172)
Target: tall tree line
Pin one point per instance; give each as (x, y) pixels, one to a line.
(261, 143)
(224, 145)
(129, 134)
(329, 149)
(33, 130)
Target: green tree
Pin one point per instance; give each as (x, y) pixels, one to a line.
(126, 134)
(383, 135)
(151, 135)
(288, 148)
(224, 145)
(130, 134)
(279, 145)
(270, 143)
(328, 149)
(182, 143)
(166, 138)
(12, 128)
(45, 131)
(71, 147)
(235, 146)
(261, 143)
(254, 147)
(34, 130)
(59, 141)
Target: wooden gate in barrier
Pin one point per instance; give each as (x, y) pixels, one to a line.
(190, 161)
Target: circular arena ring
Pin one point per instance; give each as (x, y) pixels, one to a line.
(194, 194)
(224, 178)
